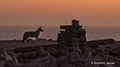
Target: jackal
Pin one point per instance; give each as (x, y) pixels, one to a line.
(32, 34)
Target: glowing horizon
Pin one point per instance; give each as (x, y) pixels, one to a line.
(43, 12)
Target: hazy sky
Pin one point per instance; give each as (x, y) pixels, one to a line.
(60, 12)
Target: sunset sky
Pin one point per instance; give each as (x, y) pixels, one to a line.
(59, 12)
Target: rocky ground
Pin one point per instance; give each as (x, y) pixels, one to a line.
(46, 53)
(12, 44)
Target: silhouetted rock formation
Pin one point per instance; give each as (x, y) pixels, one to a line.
(73, 33)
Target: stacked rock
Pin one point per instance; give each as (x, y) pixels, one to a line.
(71, 34)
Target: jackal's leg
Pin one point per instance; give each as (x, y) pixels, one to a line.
(25, 37)
(37, 39)
(26, 40)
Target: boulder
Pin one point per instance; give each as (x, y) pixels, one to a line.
(10, 63)
(95, 43)
(52, 63)
(50, 40)
(8, 57)
(13, 55)
(64, 61)
(2, 63)
(66, 27)
(88, 52)
(82, 46)
(75, 35)
(75, 42)
(25, 56)
(41, 59)
(98, 58)
(117, 64)
(81, 32)
(60, 39)
(53, 51)
(82, 38)
(98, 50)
(94, 52)
(75, 24)
(67, 65)
(88, 62)
(91, 65)
(75, 57)
(104, 53)
(36, 64)
(4, 55)
(42, 52)
(106, 65)
(108, 58)
(42, 62)
(63, 52)
(79, 65)
(3, 51)
(79, 52)
(68, 39)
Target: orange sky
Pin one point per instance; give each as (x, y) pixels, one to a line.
(60, 12)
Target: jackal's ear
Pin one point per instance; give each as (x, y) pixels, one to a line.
(40, 26)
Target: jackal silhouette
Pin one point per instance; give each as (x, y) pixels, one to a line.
(32, 34)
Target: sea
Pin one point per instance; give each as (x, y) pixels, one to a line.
(51, 32)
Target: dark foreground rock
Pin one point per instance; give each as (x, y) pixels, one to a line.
(62, 56)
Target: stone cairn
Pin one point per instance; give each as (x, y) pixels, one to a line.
(73, 35)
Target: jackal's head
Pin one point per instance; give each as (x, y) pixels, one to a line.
(40, 28)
